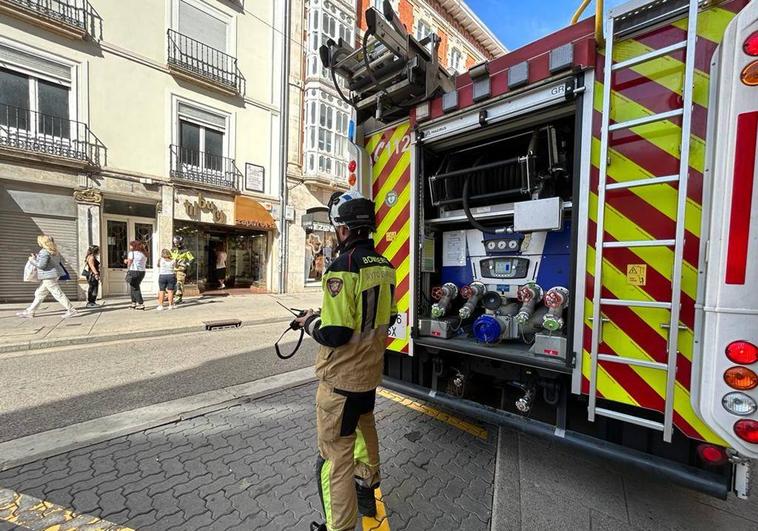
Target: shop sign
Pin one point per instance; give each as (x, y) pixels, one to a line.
(200, 208)
(316, 225)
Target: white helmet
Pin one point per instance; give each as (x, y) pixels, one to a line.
(351, 209)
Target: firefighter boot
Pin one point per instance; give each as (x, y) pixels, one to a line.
(315, 526)
(366, 500)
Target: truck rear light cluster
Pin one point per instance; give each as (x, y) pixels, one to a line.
(352, 179)
(749, 74)
(739, 404)
(740, 378)
(750, 46)
(747, 430)
(742, 352)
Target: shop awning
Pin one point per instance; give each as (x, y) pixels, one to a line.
(250, 213)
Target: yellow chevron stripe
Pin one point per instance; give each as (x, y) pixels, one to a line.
(402, 271)
(659, 258)
(403, 199)
(387, 150)
(711, 23)
(400, 239)
(664, 134)
(372, 141)
(606, 385)
(666, 71)
(662, 197)
(656, 379)
(616, 282)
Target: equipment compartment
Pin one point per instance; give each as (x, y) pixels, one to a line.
(497, 292)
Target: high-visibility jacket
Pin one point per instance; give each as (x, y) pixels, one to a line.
(357, 308)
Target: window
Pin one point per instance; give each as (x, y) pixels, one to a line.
(456, 60)
(201, 146)
(21, 94)
(202, 26)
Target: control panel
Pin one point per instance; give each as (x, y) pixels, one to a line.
(504, 267)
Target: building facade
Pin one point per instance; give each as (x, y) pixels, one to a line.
(464, 39)
(141, 120)
(323, 128)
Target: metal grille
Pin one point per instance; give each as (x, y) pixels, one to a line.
(27, 130)
(76, 13)
(204, 168)
(204, 62)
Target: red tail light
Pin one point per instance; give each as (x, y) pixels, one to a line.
(713, 455)
(351, 166)
(742, 352)
(747, 430)
(750, 46)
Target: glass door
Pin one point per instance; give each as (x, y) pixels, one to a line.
(119, 231)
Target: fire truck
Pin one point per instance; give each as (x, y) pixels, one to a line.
(574, 229)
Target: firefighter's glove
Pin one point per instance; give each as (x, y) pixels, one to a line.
(308, 320)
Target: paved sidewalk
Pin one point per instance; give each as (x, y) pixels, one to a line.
(251, 467)
(113, 319)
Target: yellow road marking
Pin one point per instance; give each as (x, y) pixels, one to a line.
(380, 522)
(468, 427)
(32, 513)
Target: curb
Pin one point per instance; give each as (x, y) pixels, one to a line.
(36, 344)
(27, 449)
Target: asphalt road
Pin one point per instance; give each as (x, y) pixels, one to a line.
(47, 389)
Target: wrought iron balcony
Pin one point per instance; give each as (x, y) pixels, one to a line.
(204, 168)
(73, 18)
(199, 62)
(25, 134)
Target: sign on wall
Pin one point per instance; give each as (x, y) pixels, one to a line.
(255, 177)
(204, 207)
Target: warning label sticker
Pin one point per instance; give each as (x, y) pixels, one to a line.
(636, 274)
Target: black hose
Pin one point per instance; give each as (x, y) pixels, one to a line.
(297, 347)
(467, 211)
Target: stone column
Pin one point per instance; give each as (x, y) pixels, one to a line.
(89, 205)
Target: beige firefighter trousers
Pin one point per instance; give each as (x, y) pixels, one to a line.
(349, 452)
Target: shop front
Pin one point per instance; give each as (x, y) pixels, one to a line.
(320, 244)
(229, 239)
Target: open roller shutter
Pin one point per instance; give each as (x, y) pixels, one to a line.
(18, 239)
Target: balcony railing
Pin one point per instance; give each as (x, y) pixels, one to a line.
(202, 62)
(32, 132)
(204, 168)
(76, 17)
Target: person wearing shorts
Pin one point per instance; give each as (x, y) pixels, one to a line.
(166, 279)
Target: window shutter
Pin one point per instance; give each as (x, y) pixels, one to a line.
(35, 63)
(202, 116)
(201, 26)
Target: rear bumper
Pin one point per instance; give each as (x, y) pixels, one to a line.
(687, 476)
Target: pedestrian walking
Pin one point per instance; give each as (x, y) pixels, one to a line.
(358, 306)
(92, 273)
(135, 262)
(166, 279)
(221, 266)
(48, 263)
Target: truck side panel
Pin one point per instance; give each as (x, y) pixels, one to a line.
(389, 154)
(649, 213)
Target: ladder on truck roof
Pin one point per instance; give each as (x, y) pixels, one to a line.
(619, 23)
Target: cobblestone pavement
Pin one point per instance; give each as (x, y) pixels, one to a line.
(252, 467)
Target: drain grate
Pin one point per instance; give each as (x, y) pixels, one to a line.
(222, 324)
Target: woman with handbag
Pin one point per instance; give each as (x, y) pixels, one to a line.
(48, 263)
(92, 274)
(135, 262)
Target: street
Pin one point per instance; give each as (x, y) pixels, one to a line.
(57, 387)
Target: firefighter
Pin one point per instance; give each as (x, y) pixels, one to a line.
(357, 308)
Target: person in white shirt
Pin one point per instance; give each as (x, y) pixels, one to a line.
(221, 266)
(166, 279)
(135, 262)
